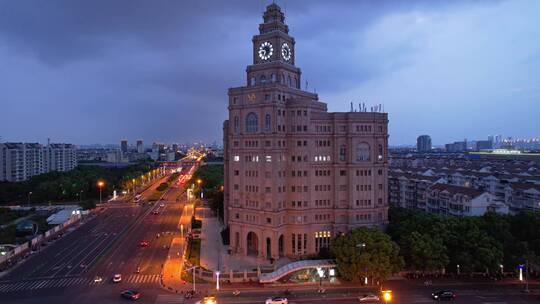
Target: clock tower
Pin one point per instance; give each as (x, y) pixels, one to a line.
(273, 52)
(296, 175)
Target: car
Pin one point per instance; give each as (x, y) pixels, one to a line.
(277, 300)
(155, 212)
(98, 279)
(162, 205)
(369, 298)
(207, 300)
(130, 294)
(117, 278)
(144, 243)
(443, 295)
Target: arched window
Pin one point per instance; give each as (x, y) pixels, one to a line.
(236, 124)
(253, 81)
(267, 122)
(342, 153)
(362, 152)
(282, 80)
(252, 123)
(380, 157)
(290, 81)
(263, 79)
(295, 82)
(273, 78)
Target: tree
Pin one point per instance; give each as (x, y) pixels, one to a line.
(423, 252)
(366, 252)
(470, 247)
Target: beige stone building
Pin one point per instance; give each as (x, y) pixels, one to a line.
(295, 174)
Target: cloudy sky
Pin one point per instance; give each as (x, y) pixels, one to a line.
(101, 71)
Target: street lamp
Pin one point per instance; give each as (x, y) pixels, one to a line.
(193, 272)
(217, 280)
(362, 246)
(457, 269)
(100, 185)
(29, 194)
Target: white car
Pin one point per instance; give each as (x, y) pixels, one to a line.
(117, 278)
(369, 298)
(98, 279)
(162, 205)
(277, 300)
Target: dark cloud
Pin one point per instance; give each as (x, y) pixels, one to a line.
(98, 71)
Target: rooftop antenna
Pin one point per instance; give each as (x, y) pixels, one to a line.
(306, 85)
(351, 107)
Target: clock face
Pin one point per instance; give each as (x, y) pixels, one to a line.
(286, 52)
(266, 50)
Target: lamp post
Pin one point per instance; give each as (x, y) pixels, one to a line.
(217, 280)
(362, 246)
(100, 185)
(457, 269)
(29, 194)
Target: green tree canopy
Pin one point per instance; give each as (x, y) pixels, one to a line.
(366, 252)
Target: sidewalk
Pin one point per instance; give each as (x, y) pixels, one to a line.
(171, 275)
(214, 254)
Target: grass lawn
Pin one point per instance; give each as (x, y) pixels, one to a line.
(194, 251)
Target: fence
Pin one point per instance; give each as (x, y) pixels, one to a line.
(15, 253)
(227, 277)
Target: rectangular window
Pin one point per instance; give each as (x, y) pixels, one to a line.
(236, 158)
(343, 173)
(268, 158)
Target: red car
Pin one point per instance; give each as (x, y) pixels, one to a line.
(144, 243)
(130, 294)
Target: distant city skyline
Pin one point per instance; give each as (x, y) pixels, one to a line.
(450, 69)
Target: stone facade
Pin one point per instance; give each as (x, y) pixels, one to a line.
(295, 174)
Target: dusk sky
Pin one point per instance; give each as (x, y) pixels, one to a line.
(100, 71)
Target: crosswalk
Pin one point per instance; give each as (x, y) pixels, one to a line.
(73, 281)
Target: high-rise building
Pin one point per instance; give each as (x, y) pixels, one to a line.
(296, 175)
(140, 146)
(423, 143)
(484, 145)
(20, 161)
(124, 146)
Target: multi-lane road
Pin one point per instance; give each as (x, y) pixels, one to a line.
(104, 245)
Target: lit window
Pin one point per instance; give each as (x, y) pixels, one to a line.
(236, 158)
(268, 158)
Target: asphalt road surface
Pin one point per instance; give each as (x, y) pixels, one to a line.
(103, 245)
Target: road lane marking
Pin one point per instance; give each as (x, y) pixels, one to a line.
(63, 282)
(41, 284)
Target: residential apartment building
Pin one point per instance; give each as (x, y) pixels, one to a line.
(447, 199)
(140, 146)
(516, 183)
(423, 143)
(296, 175)
(20, 161)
